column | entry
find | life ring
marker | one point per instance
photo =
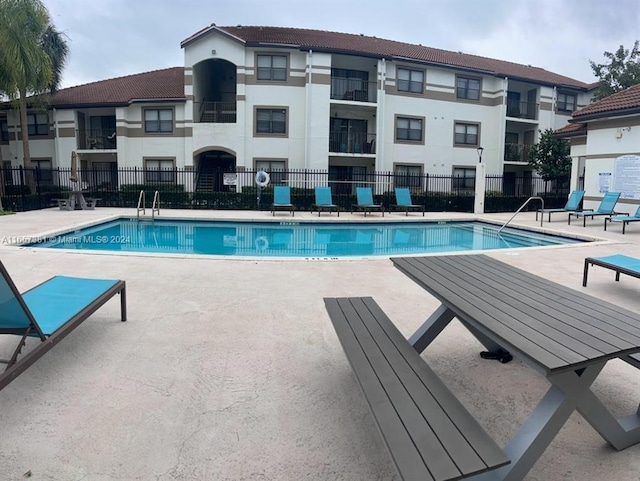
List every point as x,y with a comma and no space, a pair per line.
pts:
262,243
262,178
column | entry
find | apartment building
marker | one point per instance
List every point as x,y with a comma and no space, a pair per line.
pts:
287,98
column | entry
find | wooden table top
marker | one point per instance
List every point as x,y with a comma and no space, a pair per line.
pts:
553,326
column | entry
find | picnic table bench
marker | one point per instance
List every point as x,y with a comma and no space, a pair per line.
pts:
429,433
566,335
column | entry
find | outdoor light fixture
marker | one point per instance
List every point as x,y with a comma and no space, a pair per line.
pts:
480,150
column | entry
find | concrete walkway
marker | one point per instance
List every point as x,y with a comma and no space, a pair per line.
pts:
230,369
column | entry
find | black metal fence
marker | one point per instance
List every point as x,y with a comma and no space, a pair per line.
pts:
29,189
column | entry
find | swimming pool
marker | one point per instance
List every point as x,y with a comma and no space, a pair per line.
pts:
292,239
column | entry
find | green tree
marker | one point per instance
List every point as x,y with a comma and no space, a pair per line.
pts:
32,57
550,156
622,71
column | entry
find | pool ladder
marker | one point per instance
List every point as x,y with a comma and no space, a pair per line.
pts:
155,205
522,207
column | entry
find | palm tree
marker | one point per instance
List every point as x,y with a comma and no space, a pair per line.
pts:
32,57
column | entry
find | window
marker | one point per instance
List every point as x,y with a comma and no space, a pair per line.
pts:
410,80
271,121
466,134
464,178
158,120
159,171
4,130
43,170
275,169
566,102
408,176
468,88
409,129
272,67
38,124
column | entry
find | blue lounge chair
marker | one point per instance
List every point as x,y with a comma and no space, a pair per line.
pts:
49,312
403,201
618,263
606,207
365,201
282,199
323,201
625,219
572,205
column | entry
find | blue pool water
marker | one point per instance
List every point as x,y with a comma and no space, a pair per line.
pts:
295,239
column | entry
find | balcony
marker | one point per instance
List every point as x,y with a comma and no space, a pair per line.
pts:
97,139
516,152
522,110
352,143
353,89
216,112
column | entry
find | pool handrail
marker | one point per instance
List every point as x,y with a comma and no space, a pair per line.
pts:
141,201
155,206
522,207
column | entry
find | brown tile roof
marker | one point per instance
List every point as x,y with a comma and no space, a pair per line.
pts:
620,103
305,39
572,130
156,85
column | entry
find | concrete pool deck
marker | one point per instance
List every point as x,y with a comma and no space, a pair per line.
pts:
229,369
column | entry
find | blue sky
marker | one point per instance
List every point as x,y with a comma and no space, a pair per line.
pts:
122,37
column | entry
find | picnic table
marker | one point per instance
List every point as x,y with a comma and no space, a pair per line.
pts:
566,335
76,198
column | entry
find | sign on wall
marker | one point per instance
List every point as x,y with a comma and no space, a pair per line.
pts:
627,176
230,179
604,183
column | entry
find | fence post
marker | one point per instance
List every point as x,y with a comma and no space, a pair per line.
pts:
38,174
21,171
481,182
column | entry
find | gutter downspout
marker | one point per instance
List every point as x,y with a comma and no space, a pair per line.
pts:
554,101
57,137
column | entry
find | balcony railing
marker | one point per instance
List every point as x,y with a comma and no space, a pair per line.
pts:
353,89
516,152
522,110
352,142
216,112
97,139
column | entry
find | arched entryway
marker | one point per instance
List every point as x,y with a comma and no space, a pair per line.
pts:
214,91
211,167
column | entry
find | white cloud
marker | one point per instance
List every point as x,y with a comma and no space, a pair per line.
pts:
122,37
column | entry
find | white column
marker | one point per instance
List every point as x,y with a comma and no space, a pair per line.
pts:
380,133
481,181
308,102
